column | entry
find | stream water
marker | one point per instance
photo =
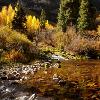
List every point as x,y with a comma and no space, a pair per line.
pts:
90,70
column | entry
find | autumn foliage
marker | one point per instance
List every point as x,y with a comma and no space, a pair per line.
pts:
6,15
98,29
32,23
14,55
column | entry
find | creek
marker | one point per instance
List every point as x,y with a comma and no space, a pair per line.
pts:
86,71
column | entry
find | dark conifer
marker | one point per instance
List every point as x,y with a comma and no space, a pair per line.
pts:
42,19
86,18
19,20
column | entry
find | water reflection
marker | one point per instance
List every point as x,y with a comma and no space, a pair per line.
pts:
79,80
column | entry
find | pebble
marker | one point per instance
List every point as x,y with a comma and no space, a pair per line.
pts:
20,72
55,78
22,98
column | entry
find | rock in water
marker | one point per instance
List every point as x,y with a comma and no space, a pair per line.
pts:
22,98
32,97
4,78
55,78
62,83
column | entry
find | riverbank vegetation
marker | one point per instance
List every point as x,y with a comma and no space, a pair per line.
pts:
75,33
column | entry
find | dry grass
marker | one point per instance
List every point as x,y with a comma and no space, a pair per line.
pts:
15,45
77,42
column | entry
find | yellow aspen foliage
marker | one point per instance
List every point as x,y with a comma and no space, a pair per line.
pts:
48,26
8,20
37,25
98,29
10,13
28,22
32,23
4,11
6,15
0,18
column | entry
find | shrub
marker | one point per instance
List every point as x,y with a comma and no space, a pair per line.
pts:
48,26
15,44
89,52
86,43
63,40
34,31
58,39
15,56
12,39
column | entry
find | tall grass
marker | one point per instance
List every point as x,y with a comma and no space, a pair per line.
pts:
85,43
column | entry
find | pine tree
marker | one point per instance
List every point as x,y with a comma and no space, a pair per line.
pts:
19,20
64,14
85,19
42,19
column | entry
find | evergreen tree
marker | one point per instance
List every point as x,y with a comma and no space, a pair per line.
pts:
65,14
19,20
85,19
42,19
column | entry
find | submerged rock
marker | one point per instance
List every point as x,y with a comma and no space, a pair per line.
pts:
32,97
56,78
58,57
22,98
4,77
62,83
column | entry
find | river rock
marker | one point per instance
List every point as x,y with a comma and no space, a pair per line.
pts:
4,77
22,98
55,78
62,82
11,77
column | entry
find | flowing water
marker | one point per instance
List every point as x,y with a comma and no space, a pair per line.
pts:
87,73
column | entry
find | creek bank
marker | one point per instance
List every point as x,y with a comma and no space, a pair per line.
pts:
20,71
11,78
